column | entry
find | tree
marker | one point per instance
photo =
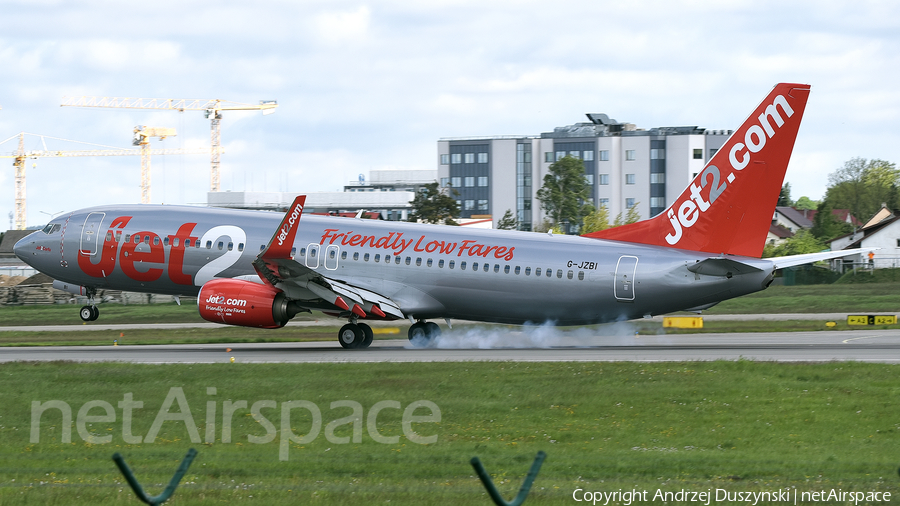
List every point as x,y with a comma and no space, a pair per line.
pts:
862,186
565,192
431,205
802,242
632,216
596,220
784,198
508,221
826,226
806,204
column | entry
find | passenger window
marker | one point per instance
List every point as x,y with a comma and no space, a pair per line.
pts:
175,242
208,244
343,255
230,246
293,252
418,262
261,246
378,258
462,266
387,259
488,266
569,274
147,240
356,255
452,263
474,266
109,235
580,275
366,257
537,272
559,273
549,272
221,245
497,268
333,254
303,252
119,236
397,260
166,241
240,246
408,260
528,271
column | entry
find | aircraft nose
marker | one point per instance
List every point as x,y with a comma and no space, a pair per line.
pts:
25,248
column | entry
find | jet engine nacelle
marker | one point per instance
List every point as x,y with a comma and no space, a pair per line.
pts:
244,303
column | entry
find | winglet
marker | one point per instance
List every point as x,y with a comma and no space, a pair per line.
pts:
283,241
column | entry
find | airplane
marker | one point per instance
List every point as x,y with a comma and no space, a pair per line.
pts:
260,269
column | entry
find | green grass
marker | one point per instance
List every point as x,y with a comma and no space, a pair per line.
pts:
843,298
868,277
740,426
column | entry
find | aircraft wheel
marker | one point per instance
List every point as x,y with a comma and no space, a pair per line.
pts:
421,334
87,314
96,313
367,332
351,336
433,330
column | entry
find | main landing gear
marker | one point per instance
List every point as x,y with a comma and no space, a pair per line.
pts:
422,333
355,335
91,312
359,335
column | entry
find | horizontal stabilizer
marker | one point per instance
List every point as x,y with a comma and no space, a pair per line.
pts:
791,261
722,267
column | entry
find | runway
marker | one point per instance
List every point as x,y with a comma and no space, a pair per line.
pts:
535,346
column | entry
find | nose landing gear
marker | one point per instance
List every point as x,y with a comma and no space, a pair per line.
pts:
91,312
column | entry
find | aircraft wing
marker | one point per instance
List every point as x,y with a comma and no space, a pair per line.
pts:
276,267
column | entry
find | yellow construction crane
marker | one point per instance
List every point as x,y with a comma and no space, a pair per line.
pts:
142,136
20,155
212,107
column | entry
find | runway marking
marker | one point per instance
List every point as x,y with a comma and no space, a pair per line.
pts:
845,341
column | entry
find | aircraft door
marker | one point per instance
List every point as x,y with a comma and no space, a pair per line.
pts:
312,255
625,269
90,234
331,257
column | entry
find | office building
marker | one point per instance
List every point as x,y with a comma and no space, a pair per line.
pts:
624,166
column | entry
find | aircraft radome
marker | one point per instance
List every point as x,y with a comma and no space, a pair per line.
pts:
259,269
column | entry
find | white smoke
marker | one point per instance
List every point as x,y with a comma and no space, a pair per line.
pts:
545,335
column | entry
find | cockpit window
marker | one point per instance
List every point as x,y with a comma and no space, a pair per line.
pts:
51,228
47,228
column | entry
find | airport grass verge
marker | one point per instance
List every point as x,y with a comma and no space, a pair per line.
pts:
733,425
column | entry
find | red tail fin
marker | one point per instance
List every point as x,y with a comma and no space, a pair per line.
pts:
728,207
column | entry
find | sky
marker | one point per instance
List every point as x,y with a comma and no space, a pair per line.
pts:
374,85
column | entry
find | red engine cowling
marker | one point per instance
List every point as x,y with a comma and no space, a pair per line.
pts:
244,303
